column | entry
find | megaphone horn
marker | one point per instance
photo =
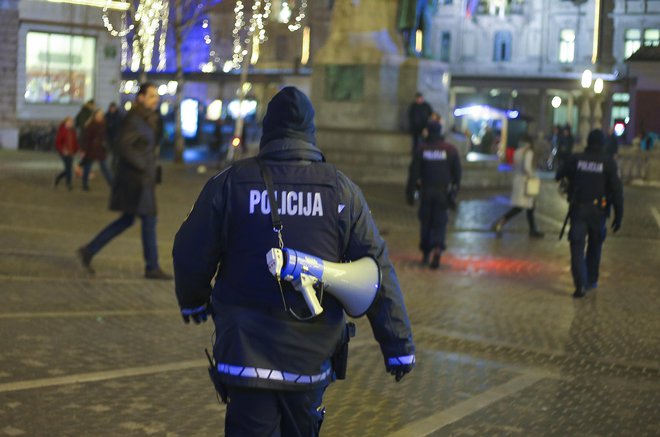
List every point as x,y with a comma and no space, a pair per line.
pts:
354,284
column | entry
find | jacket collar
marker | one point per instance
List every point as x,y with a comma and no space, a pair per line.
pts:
288,149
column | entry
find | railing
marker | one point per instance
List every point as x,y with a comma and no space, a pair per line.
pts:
37,138
637,165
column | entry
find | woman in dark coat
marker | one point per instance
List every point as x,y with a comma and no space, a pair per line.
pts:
93,144
66,143
134,188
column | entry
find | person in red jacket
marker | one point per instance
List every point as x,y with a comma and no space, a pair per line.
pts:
66,143
93,144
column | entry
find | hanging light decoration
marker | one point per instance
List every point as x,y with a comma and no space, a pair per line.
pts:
297,22
150,18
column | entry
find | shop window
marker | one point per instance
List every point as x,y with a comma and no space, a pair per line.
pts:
633,41
502,51
59,68
566,46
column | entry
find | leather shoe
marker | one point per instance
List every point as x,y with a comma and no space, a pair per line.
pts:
425,258
536,234
85,259
157,274
580,292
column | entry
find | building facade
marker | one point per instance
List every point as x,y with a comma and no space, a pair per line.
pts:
530,55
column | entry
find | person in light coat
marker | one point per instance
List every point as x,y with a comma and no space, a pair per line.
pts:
523,165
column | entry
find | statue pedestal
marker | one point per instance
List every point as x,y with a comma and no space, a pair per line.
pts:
361,87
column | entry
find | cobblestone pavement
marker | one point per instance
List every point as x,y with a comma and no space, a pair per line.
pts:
503,349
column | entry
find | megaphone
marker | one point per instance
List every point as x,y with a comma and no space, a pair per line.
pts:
354,284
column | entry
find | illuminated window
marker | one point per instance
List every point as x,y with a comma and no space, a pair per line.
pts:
566,46
621,97
500,7
59,68
632,43
652,37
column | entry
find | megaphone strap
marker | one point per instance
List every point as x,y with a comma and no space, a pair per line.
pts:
274,207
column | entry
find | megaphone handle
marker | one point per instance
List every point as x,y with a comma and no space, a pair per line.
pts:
307,289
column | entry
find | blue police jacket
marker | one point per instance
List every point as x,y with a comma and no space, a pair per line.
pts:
226,236
592,177
435,167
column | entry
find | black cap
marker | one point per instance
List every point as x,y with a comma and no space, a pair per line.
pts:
290,114
596,138
434,128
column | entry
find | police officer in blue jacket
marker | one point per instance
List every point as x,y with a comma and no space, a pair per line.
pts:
593,188
436,172
271,368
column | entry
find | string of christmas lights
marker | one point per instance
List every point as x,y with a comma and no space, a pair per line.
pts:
150,16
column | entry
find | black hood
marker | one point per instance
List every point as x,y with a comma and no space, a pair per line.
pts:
290,114
596,141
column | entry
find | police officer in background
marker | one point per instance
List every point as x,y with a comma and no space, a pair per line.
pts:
593,188
435,172
272,368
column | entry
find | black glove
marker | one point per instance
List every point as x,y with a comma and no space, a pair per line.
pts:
400,366
198,315
616,225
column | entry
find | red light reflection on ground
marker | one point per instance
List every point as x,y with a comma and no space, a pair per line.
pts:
485,265
488,265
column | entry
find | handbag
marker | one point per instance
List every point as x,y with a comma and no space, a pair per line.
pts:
532,186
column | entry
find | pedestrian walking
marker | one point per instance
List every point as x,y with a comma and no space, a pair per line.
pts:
594,188
272,368
66,144
612,143
134,187
84,114
112,120
436,173
524,189
93,145
565,146
419,113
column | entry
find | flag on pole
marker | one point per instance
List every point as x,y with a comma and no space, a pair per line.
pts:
470,6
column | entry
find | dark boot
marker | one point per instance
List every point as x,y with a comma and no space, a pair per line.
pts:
85,259
536,234
580,292
157,274
533,230
435,258
425,258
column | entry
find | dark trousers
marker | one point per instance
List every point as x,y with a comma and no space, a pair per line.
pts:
416,141
587,223
268,413
68,170
149,247
517,210
433,220
87,166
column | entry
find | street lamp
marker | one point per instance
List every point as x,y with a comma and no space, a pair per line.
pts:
586,79
598,86
588,119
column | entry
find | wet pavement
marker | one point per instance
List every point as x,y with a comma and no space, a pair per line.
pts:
503,349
